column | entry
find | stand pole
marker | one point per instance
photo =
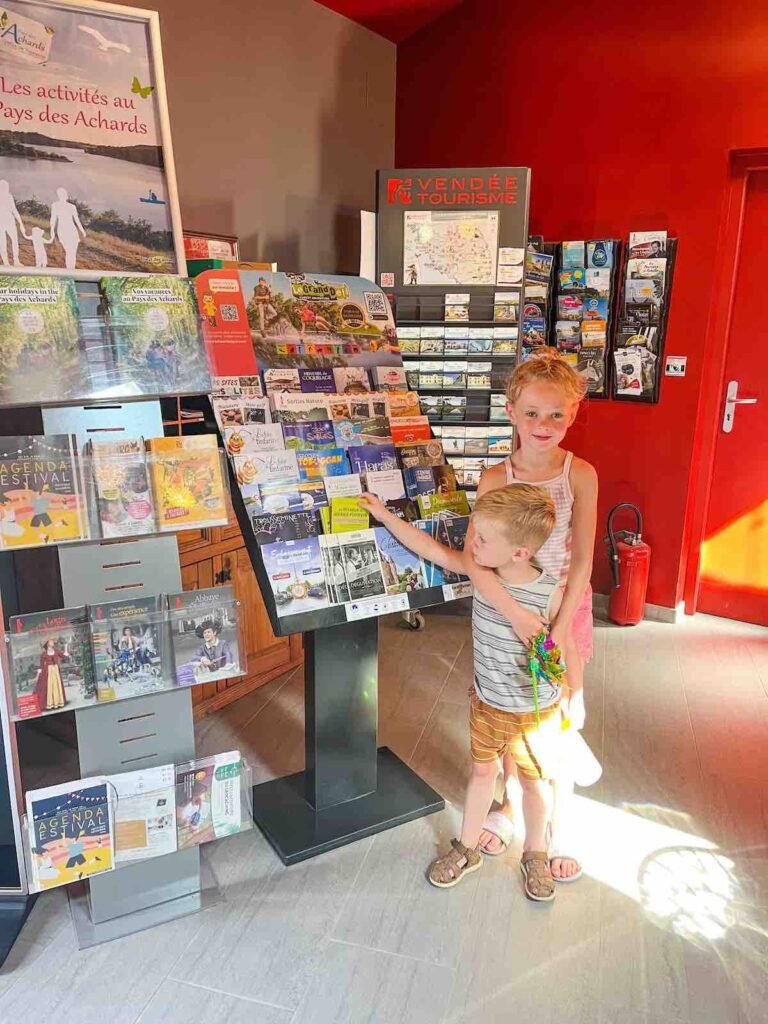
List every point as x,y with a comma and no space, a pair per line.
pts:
349,789
341,703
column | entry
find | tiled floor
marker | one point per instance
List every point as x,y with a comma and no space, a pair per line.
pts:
669,925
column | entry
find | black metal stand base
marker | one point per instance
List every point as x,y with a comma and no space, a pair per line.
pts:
297,831
13,913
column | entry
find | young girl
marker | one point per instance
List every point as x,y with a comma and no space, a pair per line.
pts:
543,396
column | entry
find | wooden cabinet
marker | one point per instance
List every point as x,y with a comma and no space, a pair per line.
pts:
217,557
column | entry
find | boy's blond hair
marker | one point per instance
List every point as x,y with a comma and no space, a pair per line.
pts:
525,512
546,366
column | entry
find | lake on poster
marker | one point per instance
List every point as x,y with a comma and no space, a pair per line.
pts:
100,182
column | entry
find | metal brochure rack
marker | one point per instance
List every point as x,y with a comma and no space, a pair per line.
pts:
145,731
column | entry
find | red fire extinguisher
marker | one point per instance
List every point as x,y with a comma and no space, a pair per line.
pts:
630,559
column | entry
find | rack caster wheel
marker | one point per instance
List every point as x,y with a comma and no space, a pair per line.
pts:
415,621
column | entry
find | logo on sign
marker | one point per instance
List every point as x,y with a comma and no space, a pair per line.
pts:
24,38
399,190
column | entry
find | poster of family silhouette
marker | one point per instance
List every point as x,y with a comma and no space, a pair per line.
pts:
83,161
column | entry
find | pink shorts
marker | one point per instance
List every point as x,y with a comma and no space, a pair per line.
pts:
582,626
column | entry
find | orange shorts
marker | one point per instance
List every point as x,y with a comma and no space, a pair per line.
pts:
536,750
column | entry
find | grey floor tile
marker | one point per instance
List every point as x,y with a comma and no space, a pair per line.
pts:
641,967
274,741
111,982
363,986
48,918
527,961
408,691
442,755
229,728
394,908
21,957
265,948
242,865
444,634
178,1003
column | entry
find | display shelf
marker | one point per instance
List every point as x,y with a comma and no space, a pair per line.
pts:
651,397
403,322
97,361
428,268
469,423
132,808
157,644
484,357
462,391
72,498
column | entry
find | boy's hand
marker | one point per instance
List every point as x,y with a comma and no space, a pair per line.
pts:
527,624
559,634
373,506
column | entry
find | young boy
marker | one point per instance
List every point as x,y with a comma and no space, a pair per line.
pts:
510,524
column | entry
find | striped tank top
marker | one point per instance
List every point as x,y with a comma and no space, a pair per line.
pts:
502,678
554,556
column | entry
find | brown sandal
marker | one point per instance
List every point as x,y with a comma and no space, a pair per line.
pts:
449,869
539,883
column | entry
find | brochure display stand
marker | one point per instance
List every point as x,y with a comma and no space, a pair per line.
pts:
646,290
50,498
148,731
451,257
318,346
583,308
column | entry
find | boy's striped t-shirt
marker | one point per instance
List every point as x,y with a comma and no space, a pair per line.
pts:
502,678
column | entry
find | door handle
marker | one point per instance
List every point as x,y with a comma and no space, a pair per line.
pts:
731,401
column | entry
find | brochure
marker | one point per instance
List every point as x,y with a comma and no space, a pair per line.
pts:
402,570
187,482
39,340
156,327
204,635
42,498
145,813
128,648
314,465
255,437
386,484
600,253
295,572
361,564
71,832
573,254
50,656
647,244
348,514
629,372
208,799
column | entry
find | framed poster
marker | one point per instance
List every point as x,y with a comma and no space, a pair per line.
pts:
87,179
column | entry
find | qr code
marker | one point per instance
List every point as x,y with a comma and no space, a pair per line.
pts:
376,305
229,312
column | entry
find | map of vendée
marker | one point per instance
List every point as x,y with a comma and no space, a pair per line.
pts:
448,248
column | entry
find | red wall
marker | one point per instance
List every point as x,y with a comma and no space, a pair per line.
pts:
626,114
